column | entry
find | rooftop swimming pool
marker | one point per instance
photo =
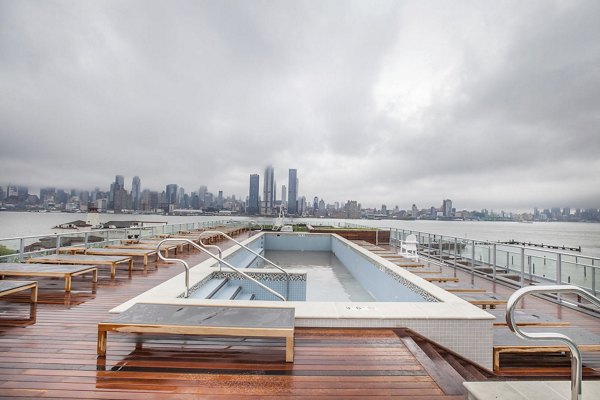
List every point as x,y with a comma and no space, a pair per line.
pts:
333,283
321,268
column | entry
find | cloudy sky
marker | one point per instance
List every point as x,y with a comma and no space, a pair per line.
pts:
494,104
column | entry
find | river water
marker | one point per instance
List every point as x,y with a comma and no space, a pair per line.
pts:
571,234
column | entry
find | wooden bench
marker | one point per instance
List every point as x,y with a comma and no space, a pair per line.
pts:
84,260
440,278
203,320
165,248
483,299
454,287
107,251
8,287
527,318
55,271
506,341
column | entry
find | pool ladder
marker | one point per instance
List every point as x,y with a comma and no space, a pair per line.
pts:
220,261
576,366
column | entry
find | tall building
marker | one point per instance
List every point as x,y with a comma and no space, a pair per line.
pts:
292,191
171,193
268,191
253,204
202,196
447,208
136,191
283,195
117,185
220,200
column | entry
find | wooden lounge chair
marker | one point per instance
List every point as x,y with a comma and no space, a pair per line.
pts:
8,287
56,271
203,320
506,341
527,318
484,300
454,287
440,278
84,260
165,248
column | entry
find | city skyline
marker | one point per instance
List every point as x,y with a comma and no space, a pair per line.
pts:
174,194
490,104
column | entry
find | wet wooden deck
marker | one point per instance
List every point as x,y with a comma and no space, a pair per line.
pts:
53,355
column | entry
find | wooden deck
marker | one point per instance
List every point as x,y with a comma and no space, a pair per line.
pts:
55,357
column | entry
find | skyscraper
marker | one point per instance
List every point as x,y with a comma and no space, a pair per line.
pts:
283,195
253,195
447,208
135,193
171,193
292,192
117,185
268,190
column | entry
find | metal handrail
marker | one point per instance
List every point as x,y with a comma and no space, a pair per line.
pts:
576,367
220,260
186,266
253,252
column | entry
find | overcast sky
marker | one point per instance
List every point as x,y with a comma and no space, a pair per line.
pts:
493,104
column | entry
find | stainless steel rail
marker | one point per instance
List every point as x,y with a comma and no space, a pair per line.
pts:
220,260
576,367
185,265
253,252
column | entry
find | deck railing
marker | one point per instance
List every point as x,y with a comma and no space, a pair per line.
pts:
576,366
17,249
514,264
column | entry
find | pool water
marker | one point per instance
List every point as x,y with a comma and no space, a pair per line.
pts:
327,279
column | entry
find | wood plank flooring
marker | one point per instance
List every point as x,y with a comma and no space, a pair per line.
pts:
54,356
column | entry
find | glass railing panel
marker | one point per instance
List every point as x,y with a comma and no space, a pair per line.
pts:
9,250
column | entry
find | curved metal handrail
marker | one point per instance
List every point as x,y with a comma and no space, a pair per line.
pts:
253,252
187,267
576,367
220,260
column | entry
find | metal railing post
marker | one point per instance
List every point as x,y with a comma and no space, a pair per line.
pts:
86,240
21,249
494,264
473,262
522,266
593,279
559,274
429,244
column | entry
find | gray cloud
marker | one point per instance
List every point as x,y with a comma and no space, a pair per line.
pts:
492,105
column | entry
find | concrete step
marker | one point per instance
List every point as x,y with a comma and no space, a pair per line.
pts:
208,290
244,296
227,292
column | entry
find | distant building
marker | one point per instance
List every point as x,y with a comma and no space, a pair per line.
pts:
447,208
171,193
283,195
268,190
253,204
135,192
293,191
